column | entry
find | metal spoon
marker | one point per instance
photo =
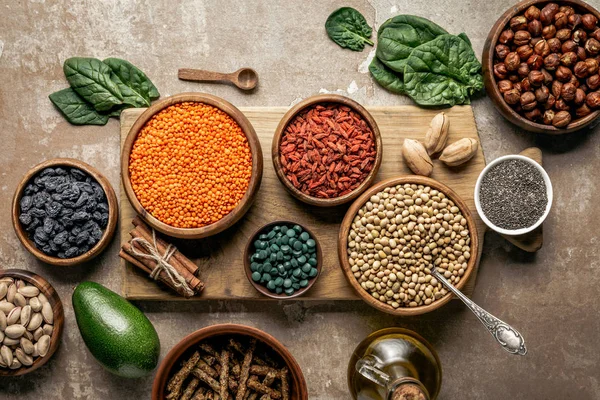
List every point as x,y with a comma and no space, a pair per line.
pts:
243,78
509,338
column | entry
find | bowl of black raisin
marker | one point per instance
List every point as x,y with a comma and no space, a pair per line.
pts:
64,212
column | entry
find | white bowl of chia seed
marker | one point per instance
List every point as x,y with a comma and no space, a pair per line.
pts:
513,195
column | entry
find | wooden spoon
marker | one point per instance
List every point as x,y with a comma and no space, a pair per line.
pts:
244,78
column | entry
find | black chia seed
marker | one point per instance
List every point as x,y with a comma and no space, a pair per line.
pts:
513,195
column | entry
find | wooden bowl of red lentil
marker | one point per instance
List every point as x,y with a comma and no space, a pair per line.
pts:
327,150
191,165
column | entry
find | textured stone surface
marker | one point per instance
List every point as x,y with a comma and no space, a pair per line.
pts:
550,296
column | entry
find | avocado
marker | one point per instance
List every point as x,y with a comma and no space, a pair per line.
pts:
117,333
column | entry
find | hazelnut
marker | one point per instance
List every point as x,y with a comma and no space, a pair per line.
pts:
541,94
535,27
533,115
500,71
574,20
589,21
504,85
528,102
563,34
561,119
525,85
582,111
596,34
561,105
506,36
580,70
548,31
548,12
567,10
579,36
501,51
554,45
548,117
542,48
534,13
592,65
518,23
592,46
534,41
579,97
550,102
512,96
547,77
563,74
568,92
560,20
512,61
518,86
521,38
593,82
513,78
536,78
524,52
551,62
574,81
568,59
568,46
557,88
592,100
581,53
535,62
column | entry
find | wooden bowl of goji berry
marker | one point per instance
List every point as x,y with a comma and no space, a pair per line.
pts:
327,150
191,165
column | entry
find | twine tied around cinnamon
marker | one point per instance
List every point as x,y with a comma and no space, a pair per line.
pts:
162,262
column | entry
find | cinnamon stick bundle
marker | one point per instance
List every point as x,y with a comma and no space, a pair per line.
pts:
180,264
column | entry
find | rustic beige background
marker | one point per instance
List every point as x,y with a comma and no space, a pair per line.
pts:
550,296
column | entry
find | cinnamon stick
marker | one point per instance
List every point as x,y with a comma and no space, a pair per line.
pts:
145,230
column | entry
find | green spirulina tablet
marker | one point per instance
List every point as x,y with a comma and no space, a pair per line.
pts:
274,271
313,272
312,261
297,253
287,265
304,248
289,291
297,228
271,234
266,277
273,257
281,269
256,276
279,281
287,283
297,246
294,262
301,259
311,243
278,290
283,228
271,285
303,283
297,272
304,236
296,286
306,268
285,249
274,247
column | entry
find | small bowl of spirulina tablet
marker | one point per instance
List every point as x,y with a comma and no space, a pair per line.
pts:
283,259
513,195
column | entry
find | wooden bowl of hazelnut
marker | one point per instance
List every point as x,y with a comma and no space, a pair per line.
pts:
541,65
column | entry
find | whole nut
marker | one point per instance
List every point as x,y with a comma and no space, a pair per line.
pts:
512,96
416,157
436,136
548,12
513,78
591,65
16,364
518,23
37,334
582,111
48,329
542,48
501,51
7,354
504,85
547,77
589,21
551,62
512,61
35,322
533,115
25,315
568,46
533,13
506,36
14,331
592,46
534,41
26,345
6,306
554,44
3,290
561,105
550,102
24,359
535,62
563,74
525,85
593,82
580,70
29,291
561,119
579,97
568,10
592,100
536,78
13,316
524,52
3,322
48,314
35,304
521,38
561,20
523,70
548,31
535,27
10,293
518,87
528,101
459,152
548,117
579,36
574,20
43,345
500,71
596,34
563,34
20,300
568,92
542,94
568,59
574,81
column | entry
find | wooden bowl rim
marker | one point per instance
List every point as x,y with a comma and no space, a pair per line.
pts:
263,289
347,223
57,307
296,109
164,370
113,212
257,165
490,80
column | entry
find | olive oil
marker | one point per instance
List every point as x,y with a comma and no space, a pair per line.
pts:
394,364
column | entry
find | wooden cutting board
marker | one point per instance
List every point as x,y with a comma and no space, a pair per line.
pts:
220,256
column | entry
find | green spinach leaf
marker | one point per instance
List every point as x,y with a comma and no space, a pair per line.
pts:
348,28
90,78
398,36
387,78
464,37
134,85
444,71
75,109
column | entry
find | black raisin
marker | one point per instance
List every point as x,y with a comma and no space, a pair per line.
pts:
35,222
78,174
81,216
60,171
97,215
48,225
102,207
66,221
53,246
96,233
52,182
75,231
37,212
47,172
104,221
72,252
82,200
82,238
40,199
98,192
61,237
40,235
66,211
25,219
30,189
65,246
53,208
87,187
62,187
61,255
46,249
26,202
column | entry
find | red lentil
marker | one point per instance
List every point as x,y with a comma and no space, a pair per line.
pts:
190,165
327,150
